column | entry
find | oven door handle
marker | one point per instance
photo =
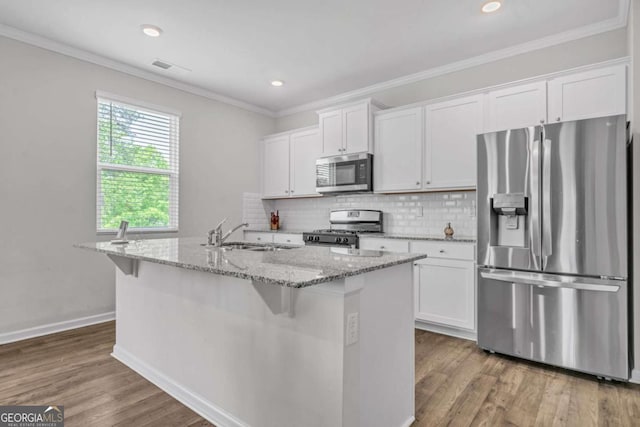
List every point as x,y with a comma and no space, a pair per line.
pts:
550,281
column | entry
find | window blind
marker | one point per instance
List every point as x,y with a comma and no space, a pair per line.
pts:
137,168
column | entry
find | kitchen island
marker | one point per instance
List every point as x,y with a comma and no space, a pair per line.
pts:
269,336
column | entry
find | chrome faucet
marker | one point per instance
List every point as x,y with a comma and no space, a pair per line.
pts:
215,237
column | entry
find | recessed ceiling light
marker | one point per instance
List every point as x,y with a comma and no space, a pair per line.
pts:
151,30
277,83
491,6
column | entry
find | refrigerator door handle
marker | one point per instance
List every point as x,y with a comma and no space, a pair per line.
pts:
547,248
549,281
535,202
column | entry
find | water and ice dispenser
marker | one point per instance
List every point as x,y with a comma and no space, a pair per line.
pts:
509,211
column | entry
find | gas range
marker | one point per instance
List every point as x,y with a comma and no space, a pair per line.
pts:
346,225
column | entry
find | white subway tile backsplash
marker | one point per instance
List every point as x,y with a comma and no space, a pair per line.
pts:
419,214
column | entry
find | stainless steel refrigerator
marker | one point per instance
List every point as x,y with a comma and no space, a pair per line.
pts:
552,259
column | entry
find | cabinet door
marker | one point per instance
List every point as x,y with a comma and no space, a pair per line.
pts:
276,167
331,132
258,237
356,128
595,93
306,148
517,107
445,292
288,239
450,143
382,244
398,150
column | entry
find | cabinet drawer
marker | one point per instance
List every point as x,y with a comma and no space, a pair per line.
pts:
288,239
390,245
258,237
462,251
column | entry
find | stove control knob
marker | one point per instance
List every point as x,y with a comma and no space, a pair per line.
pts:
316,238
309,238
338,240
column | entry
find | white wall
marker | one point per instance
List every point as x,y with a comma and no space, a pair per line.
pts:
589,50
48,185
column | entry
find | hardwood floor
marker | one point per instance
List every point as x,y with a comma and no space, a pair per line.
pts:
457,384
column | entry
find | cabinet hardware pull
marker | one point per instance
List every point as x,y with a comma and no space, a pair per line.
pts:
417,182
441,251
381,247
558,119
286,191
258,238
428,182
542,122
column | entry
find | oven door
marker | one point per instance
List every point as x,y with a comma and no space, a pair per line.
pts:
352,173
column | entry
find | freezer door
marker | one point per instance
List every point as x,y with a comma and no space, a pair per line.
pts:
584,197
509,182
575,323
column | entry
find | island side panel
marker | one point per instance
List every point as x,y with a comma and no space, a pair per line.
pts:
213,343
385,349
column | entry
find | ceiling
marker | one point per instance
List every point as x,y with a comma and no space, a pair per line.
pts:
319,48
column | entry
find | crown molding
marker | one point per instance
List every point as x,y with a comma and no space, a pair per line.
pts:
48,44
619,21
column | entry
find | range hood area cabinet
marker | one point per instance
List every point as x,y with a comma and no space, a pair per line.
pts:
347,129
289,163
433,146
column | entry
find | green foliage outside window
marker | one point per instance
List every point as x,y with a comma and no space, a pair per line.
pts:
142,198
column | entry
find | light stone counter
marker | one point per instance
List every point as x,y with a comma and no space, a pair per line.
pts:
296,267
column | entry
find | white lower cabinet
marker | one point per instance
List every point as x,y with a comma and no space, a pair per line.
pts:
445,287
258,237
382,244
288,239
269,237
445,292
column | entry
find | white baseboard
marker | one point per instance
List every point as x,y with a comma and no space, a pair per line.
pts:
197,403
409,422
635,376
467,335
52,328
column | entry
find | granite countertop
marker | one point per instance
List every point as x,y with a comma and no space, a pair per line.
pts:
297,267
383,236
421,237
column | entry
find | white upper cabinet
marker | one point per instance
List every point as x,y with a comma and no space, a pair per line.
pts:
398,150
289,164
450,142
594,93
305,150
275,167
517,107
331,132
356,125
347,129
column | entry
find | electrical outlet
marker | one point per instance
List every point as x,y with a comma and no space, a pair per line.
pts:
353,328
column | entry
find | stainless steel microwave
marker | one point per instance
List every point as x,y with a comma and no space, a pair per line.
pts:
345,174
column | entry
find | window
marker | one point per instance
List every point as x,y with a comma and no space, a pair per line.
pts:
137,171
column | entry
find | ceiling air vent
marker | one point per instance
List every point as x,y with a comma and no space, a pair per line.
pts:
161,64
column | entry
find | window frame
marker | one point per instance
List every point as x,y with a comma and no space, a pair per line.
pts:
174,161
